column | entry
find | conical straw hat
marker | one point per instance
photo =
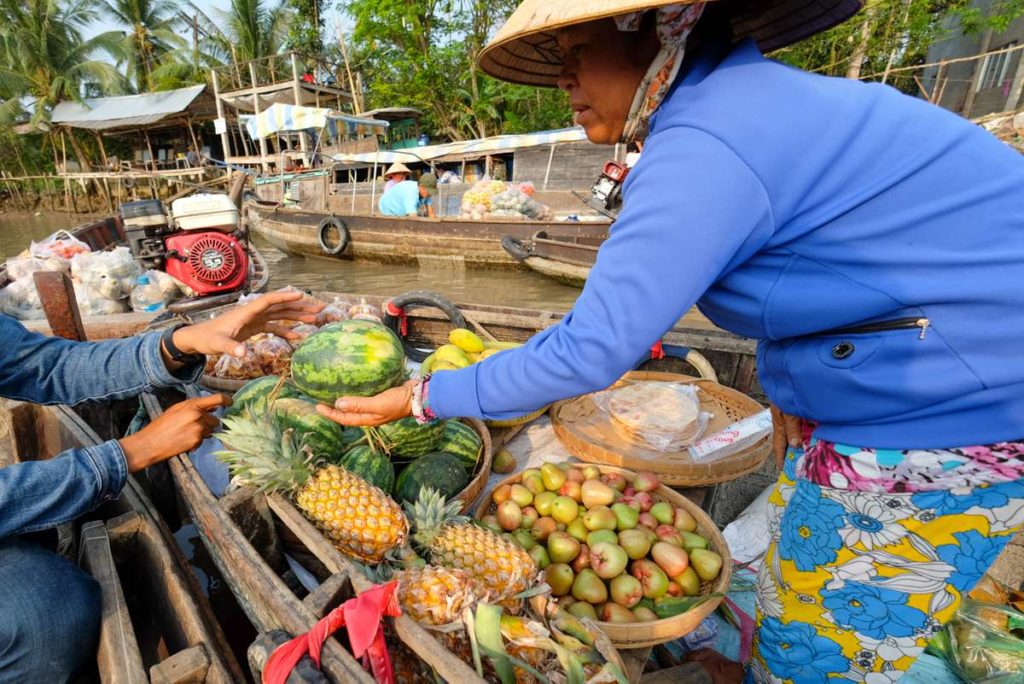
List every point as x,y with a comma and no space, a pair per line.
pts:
525,51
397,167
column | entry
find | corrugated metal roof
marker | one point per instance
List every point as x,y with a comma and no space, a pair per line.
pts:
466,148
102,113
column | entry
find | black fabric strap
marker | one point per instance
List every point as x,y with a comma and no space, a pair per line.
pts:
176,354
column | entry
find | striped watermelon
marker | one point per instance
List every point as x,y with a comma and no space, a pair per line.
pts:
463,441
442,471
405,437
253,395
372,466
348,358
325,437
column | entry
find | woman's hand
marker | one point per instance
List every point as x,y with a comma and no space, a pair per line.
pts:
181,428
385,407
227,333
788,431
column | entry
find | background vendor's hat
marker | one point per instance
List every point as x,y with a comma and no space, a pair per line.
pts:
524,49
428,181
397,167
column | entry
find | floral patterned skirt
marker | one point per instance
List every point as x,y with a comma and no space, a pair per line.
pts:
871,553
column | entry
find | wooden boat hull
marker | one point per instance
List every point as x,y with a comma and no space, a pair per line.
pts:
402,240
567,259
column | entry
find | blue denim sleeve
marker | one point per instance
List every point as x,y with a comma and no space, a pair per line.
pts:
38,495
693,208
52,370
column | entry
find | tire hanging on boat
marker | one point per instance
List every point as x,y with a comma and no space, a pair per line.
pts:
321,235
394,318
515,248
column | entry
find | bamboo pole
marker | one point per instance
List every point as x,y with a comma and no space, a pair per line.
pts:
256,107
356,104
149,146
225,141
68,195
297,92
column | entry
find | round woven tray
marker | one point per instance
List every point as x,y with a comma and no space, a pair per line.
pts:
483,465
644,634
521,420
587,433
225,385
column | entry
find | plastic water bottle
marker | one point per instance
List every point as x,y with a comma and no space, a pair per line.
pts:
146,296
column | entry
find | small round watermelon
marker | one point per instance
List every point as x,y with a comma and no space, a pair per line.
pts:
325,437
253,395
348,358
408,438
440,470
371,465
463,441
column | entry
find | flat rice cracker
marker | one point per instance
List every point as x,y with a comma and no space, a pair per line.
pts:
655,409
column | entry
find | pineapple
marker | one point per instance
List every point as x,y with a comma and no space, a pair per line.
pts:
358,518
500,566
436,596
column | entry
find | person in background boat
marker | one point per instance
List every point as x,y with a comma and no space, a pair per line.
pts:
396,173
871,241
49,609
449,176
410,198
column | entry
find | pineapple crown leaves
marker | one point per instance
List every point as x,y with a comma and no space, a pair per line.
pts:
431,512
265,454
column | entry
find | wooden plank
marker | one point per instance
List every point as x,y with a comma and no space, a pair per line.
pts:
57,296
635,659
184,667
688,673
113,326
331,593
118,656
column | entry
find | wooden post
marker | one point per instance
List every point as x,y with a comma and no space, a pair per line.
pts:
1016,86
357,106
297,91
68,193
256,108
547,171
976,74
224,141
149,146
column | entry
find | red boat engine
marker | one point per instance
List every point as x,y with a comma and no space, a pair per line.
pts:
208,262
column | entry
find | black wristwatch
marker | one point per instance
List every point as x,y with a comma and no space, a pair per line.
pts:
178,356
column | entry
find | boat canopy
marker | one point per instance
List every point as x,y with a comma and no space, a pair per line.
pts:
280,118
130,111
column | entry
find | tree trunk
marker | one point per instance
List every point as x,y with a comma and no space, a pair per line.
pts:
83,162
861,51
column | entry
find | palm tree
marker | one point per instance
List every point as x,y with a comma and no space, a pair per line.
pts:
254,29
152,33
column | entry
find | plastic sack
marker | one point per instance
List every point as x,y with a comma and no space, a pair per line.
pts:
272,353
983,643
664,416
234,368
22,267
92,302
516,203
477,201
112,274
20,300
61,244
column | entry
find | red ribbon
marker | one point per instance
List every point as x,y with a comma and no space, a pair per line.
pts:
657,351
403,318
363,617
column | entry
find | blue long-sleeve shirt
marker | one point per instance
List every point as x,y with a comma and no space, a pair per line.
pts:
788,205
38,495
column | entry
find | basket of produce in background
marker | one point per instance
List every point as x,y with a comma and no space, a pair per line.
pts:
616,546
592,435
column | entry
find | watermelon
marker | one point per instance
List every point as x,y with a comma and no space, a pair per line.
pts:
253,395
440,470
325,437
348,358
408,438
372,466
463,441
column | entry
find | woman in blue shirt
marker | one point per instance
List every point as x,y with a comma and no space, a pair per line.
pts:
871,242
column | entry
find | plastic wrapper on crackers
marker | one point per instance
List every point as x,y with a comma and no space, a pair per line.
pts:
234,368
272,353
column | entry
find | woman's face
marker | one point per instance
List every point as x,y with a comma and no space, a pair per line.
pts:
602,70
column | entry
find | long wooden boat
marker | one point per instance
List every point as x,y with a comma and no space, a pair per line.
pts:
566,259
407,240
108,232
156,623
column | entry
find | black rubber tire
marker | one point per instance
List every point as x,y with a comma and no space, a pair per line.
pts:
321,231
422,298
515,248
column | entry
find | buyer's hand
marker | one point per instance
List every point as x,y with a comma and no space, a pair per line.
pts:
227,333
181,428
788,432
383,408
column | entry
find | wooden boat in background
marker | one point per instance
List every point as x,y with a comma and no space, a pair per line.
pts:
566,259
394,239
157,625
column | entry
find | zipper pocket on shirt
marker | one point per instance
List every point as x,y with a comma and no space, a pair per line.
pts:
883,326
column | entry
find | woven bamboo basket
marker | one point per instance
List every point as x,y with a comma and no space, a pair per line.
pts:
645,634
521,420
483,465
587,433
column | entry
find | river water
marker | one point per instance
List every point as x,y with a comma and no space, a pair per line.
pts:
497,287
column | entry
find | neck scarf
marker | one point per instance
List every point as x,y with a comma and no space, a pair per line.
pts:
674,24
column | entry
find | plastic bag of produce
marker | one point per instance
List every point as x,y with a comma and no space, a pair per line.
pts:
20,300
983,643
303,330
272,353
336,310
365,312
234,368
664,416
478,200
112,274
61,244
22,267
92,302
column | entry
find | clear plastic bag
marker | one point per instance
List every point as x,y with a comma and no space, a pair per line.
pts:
23,267
336,310
365,312
303,330
234,368
272,353
20,300
982,643
112,274
664,416
61,244
92,302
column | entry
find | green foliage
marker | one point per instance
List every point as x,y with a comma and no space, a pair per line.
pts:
306,29
151,31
